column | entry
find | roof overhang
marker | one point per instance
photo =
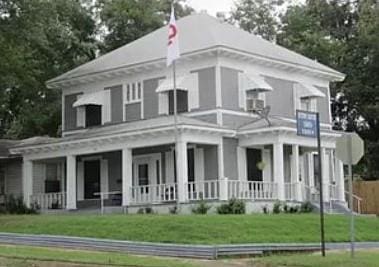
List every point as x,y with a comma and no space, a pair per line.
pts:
160,63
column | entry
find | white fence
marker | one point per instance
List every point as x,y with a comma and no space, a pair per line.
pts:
49,200
252,190
206,190
153,193
290,191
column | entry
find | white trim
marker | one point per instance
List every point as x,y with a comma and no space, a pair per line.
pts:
104,179
199,164
80,180
219,49
218,84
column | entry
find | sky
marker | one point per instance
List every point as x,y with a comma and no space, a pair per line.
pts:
211,6
214,6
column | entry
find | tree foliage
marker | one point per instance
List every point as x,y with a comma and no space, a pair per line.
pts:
128,20
257,16
38,41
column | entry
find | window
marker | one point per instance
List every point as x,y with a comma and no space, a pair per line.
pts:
133,92
182,101
143,174
308,103
93,115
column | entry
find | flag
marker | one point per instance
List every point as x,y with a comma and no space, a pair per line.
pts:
173,40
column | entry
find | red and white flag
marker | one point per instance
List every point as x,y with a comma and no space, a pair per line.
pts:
173,40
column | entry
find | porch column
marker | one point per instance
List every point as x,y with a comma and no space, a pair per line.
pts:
182,170
71,182
279,169
295,173
325,174
242,167
27,181
127,173
340,179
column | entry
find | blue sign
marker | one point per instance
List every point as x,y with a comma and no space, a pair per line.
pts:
306,123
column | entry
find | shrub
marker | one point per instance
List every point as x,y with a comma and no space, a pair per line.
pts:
306,207
277,207
294,209
234,206
140,211
173,210
201,208
16,205
265,209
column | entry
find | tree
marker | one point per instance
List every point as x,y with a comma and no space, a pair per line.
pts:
345,36
127,20
257,16
39,40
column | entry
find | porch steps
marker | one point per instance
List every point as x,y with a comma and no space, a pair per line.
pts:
332,208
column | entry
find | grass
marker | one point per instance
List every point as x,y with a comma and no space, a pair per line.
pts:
332,259
14,254
195,229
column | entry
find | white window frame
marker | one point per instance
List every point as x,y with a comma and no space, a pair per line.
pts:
128,92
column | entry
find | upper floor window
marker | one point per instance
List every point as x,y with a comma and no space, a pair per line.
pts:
252,91
305,97
182,101
133,92
93,115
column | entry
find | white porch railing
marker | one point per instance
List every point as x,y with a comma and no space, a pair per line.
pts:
49,200
311,193
252,190
206,190
290,191
333,195
149,194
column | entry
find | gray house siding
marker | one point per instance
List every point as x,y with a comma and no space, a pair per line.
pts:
116,103
114,170
229,88
230,158
150,98
323,105
133,112
70,112
13,177
281,98
210,163
207,88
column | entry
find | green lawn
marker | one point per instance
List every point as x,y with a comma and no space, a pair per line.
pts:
195,229
332,259
13,255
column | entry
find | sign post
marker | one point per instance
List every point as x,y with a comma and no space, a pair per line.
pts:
350,149
308,124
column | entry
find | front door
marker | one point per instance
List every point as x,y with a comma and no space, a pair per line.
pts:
91,179
253,157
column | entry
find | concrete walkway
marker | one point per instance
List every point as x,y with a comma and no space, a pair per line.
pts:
174,250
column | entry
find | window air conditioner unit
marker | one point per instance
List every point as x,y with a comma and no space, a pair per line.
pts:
254,105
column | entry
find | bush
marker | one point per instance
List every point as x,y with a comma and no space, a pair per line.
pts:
306,207
15,205
265,209
173,210
201,208
277,208
234,206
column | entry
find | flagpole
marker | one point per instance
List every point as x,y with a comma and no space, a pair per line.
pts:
176,132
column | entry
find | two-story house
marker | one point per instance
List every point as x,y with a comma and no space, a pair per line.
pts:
118,138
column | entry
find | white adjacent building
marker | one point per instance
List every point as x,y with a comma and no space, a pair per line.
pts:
118,137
